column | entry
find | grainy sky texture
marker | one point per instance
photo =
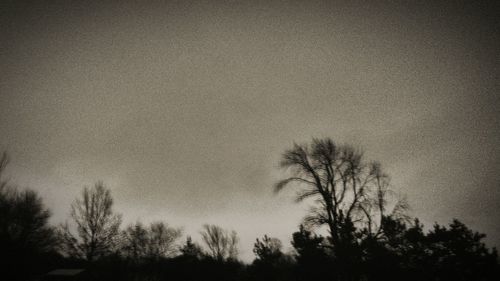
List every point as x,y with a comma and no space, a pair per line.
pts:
183,108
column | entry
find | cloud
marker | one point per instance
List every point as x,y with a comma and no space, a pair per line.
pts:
184,108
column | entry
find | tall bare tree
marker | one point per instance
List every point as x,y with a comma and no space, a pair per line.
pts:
97,227
221,244
347,188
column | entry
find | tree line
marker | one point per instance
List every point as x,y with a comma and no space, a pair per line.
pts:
369,234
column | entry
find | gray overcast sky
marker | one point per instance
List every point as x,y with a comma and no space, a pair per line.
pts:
183,108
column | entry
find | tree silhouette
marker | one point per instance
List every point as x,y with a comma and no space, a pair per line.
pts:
454,253
458,253
162,240
314,259
268,249
96,224
221,244
191,249
26,238
270,263
154,242
350,192
370,237
135,241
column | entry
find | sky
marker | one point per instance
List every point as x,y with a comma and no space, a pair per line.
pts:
183,108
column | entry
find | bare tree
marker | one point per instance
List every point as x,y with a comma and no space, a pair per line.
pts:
96,225
162,240
221,244
154,242
347,188
135,241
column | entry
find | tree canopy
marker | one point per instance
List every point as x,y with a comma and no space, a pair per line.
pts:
97,226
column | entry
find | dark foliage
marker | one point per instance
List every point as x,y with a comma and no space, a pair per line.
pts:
27,242
270,263
392,248
313,257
